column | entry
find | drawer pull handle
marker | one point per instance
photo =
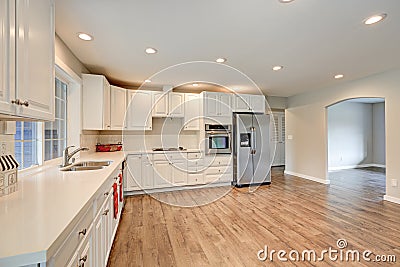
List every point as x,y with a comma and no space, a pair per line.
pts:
83,232
82,261
106,212
106,194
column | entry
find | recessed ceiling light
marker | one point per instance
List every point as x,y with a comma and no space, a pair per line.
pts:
220,60
339,76
151,50
147,81
85,36
374,19
195,84
286,1
276,68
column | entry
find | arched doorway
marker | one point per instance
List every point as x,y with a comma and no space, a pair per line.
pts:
356,142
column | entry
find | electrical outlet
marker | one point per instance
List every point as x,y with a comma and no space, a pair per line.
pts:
394,182
3,150
290,137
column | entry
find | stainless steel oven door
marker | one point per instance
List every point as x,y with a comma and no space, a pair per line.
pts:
218,143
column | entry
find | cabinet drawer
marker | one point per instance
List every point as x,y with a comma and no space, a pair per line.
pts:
219,170
160,157
195,178
194,155
215,178
221,160
77,235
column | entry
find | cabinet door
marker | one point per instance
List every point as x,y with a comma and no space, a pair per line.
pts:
242,103
160,102
139,115
162,174
7,55
134,173
179,173
225,105
211,103
257,103
99,241
85,255
106,105
192,112
118,107
279,139
35,58
147,174
176,105
74,260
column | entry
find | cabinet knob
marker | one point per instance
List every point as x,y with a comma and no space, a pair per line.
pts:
16,102
82,261
83,232
106,212
106,194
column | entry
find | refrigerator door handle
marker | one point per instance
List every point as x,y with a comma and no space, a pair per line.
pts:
253,140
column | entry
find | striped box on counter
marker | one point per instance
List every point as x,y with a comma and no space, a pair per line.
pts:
8,174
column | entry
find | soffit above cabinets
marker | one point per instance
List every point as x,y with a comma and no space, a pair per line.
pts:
313,40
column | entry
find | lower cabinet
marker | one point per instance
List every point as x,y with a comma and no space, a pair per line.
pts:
90,241
158,171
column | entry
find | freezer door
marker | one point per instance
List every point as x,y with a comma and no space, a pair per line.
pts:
243,169
261,149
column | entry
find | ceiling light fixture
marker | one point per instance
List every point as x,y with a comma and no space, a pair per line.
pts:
375,19
220,60
339,76
151,50
286,1
147,81
85,36
195,84
276,68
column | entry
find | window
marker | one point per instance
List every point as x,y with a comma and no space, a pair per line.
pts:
29,137
26,144
55,133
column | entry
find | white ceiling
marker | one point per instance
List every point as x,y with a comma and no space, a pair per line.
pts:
312,39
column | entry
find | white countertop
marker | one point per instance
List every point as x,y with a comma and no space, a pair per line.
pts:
168,151
47,200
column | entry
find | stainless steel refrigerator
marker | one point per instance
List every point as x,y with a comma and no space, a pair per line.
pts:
251,149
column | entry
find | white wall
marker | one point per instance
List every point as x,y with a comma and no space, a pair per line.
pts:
350,138
378,122
63,53
306,121
276,102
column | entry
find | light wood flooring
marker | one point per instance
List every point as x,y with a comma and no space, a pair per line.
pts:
291,213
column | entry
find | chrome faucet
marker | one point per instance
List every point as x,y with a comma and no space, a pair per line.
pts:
67,156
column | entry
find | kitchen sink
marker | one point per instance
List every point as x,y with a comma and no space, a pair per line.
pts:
87,166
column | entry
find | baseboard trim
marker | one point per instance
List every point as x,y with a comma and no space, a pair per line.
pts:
311,178
356,166
391,199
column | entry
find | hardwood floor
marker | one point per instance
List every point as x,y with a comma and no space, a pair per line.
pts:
292,213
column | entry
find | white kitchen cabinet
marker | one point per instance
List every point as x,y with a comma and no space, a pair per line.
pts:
99,249
192,112
139,111
219,169
162,174
168,104
27,59
117,107
160,104
95,102
249,103
179,173
7,56
176,106
217,104
147,173
134,173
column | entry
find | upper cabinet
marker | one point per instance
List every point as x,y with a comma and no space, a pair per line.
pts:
249,103
117,107
217,104
27,59
96,102
192,112
168,104
139,115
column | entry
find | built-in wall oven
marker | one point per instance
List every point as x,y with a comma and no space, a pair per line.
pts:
218,139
